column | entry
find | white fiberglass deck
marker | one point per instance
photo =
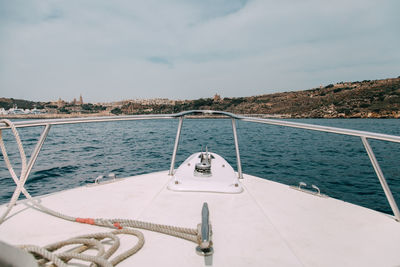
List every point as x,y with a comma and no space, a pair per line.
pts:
268,224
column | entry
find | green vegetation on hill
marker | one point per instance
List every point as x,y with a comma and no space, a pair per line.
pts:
8,103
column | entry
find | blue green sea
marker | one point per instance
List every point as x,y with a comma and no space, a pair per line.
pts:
74,155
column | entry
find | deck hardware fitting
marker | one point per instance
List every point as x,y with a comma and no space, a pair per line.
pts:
205,233
316,188
301,185
98,179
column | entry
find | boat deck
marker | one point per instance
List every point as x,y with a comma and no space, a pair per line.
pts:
268,224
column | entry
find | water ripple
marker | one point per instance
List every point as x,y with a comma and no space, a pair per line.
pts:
74,155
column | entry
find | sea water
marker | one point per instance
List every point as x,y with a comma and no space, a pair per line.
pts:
74,155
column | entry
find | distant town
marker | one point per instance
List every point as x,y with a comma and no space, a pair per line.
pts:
358,99
10,106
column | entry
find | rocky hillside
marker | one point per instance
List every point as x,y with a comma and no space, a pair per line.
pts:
366,99
379,98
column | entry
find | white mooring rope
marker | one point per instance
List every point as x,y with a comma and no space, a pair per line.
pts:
48,253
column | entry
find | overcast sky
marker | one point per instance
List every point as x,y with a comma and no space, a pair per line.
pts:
186,49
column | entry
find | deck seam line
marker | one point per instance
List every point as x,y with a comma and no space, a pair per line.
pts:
152,200
273,225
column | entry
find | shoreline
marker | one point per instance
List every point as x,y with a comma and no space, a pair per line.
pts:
208,116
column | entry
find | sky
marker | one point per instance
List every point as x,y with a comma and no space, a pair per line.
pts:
187,49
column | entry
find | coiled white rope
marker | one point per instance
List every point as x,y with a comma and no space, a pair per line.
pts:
102,257
49,254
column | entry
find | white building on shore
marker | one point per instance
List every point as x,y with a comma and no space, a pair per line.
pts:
18,111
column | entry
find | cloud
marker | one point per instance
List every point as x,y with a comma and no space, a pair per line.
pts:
160,60
190,49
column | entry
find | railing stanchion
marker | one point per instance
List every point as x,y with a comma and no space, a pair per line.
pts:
37,149
382,179
239,164
20,182
178,134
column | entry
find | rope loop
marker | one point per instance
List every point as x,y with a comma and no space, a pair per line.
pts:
49,253
19,181
20,148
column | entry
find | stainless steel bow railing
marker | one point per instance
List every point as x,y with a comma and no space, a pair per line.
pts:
364,135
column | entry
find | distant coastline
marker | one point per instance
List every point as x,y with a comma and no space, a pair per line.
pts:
77,115
53,116
365,99
202,116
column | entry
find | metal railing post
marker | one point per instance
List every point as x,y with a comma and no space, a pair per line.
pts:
37,149
382,179
178,134
22,180
239,164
